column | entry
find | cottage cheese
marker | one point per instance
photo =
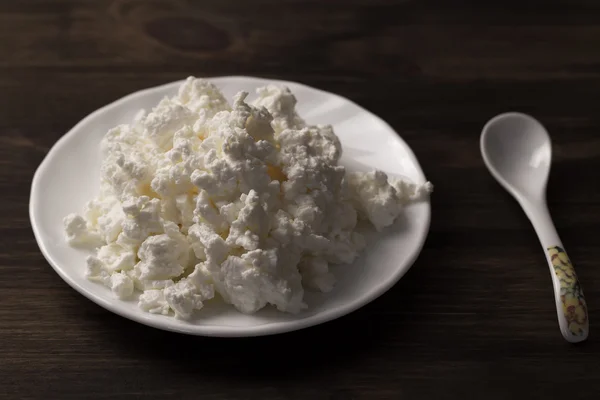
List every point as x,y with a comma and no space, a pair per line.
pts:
246,201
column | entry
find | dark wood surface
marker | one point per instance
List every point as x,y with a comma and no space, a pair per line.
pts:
474,316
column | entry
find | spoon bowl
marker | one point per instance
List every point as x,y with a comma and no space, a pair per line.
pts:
517,150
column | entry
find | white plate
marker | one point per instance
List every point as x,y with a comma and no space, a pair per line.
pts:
69,175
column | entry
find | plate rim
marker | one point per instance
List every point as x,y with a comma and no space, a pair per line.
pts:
270,328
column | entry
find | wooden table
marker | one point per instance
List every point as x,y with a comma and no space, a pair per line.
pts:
474,316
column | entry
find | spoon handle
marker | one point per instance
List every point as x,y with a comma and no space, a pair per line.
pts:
570,303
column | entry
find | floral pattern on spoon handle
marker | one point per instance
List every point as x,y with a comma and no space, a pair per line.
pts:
571,294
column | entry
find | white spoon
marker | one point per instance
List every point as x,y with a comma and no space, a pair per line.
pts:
517,150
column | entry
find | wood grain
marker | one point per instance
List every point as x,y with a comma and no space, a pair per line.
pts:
474,316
